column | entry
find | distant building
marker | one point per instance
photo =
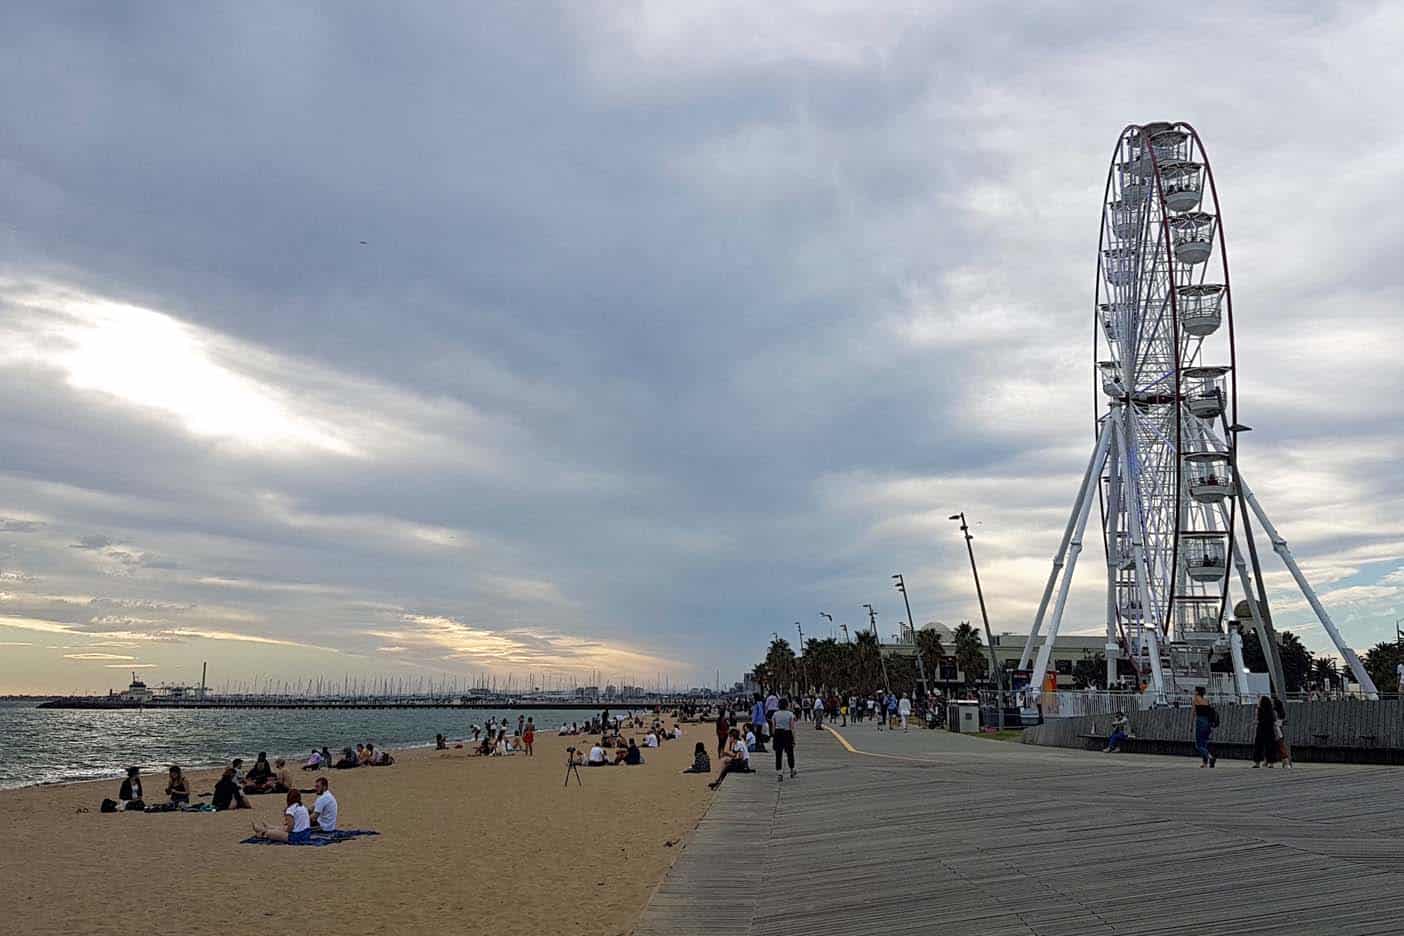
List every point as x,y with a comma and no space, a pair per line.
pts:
136,692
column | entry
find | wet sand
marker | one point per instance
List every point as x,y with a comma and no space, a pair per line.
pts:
467,845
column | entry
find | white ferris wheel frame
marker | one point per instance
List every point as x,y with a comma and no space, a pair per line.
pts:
1136,472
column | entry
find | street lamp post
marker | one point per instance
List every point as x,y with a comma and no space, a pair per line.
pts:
804,670
825,614
911,626
872,621
980,594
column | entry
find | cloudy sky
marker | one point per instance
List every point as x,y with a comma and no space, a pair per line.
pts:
561,340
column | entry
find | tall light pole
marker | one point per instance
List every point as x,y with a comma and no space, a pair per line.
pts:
911,626
825,614
872,621
844,628
804,670
979,593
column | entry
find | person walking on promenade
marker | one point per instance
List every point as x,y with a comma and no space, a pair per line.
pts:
1205,721
891,710
1284,750
904,710
875,705
783,738
723,730
818,711
1265,738
760,719
772,702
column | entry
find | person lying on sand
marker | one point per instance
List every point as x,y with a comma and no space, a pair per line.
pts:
297,824
348,760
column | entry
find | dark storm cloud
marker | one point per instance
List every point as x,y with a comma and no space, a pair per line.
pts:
666,330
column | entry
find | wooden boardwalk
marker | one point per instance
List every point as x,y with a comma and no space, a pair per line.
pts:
934,833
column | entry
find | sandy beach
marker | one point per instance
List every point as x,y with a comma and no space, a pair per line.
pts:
467,845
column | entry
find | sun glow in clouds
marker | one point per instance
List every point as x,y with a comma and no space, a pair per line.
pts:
153,361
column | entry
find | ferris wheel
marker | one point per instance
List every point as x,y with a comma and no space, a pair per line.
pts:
1164,470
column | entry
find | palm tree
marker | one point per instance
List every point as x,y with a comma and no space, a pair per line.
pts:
970,653
1325,672
932,651
867,662
780,663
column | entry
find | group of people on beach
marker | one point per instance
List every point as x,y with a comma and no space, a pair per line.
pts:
229,793
363,755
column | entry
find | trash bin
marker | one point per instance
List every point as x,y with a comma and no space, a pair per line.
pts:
963,715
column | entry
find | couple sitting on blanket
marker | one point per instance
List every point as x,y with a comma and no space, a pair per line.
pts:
297,824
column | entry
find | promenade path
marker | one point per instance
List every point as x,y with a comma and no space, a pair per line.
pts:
931,832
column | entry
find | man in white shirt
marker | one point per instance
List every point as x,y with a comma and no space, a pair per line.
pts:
651,740
324,807
597,757
750,740
904,709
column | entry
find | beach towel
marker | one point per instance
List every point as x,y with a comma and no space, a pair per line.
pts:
318,838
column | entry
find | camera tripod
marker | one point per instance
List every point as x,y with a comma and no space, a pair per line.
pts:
572,767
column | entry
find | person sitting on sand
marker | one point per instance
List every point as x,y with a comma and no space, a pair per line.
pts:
282,783
130,791
314,762
326,757
651,740
368,755
226,793
361,756
324,806
597,756
260,778
440,744
176,788
735,758
701,763
238,765
381,758
348,760
297,825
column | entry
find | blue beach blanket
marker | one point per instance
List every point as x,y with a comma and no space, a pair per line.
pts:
318,838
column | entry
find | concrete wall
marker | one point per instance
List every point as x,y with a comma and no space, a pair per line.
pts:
1365,727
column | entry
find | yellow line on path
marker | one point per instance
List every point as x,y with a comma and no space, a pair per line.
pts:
853,750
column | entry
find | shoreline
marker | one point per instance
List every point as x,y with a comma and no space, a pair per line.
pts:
81,773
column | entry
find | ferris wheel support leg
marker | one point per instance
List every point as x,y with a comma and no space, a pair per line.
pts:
1259,625
1093,471
1240,669
1279,546
1112,648
1150,627
1082,509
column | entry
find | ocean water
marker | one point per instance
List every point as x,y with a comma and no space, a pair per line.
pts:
55,745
